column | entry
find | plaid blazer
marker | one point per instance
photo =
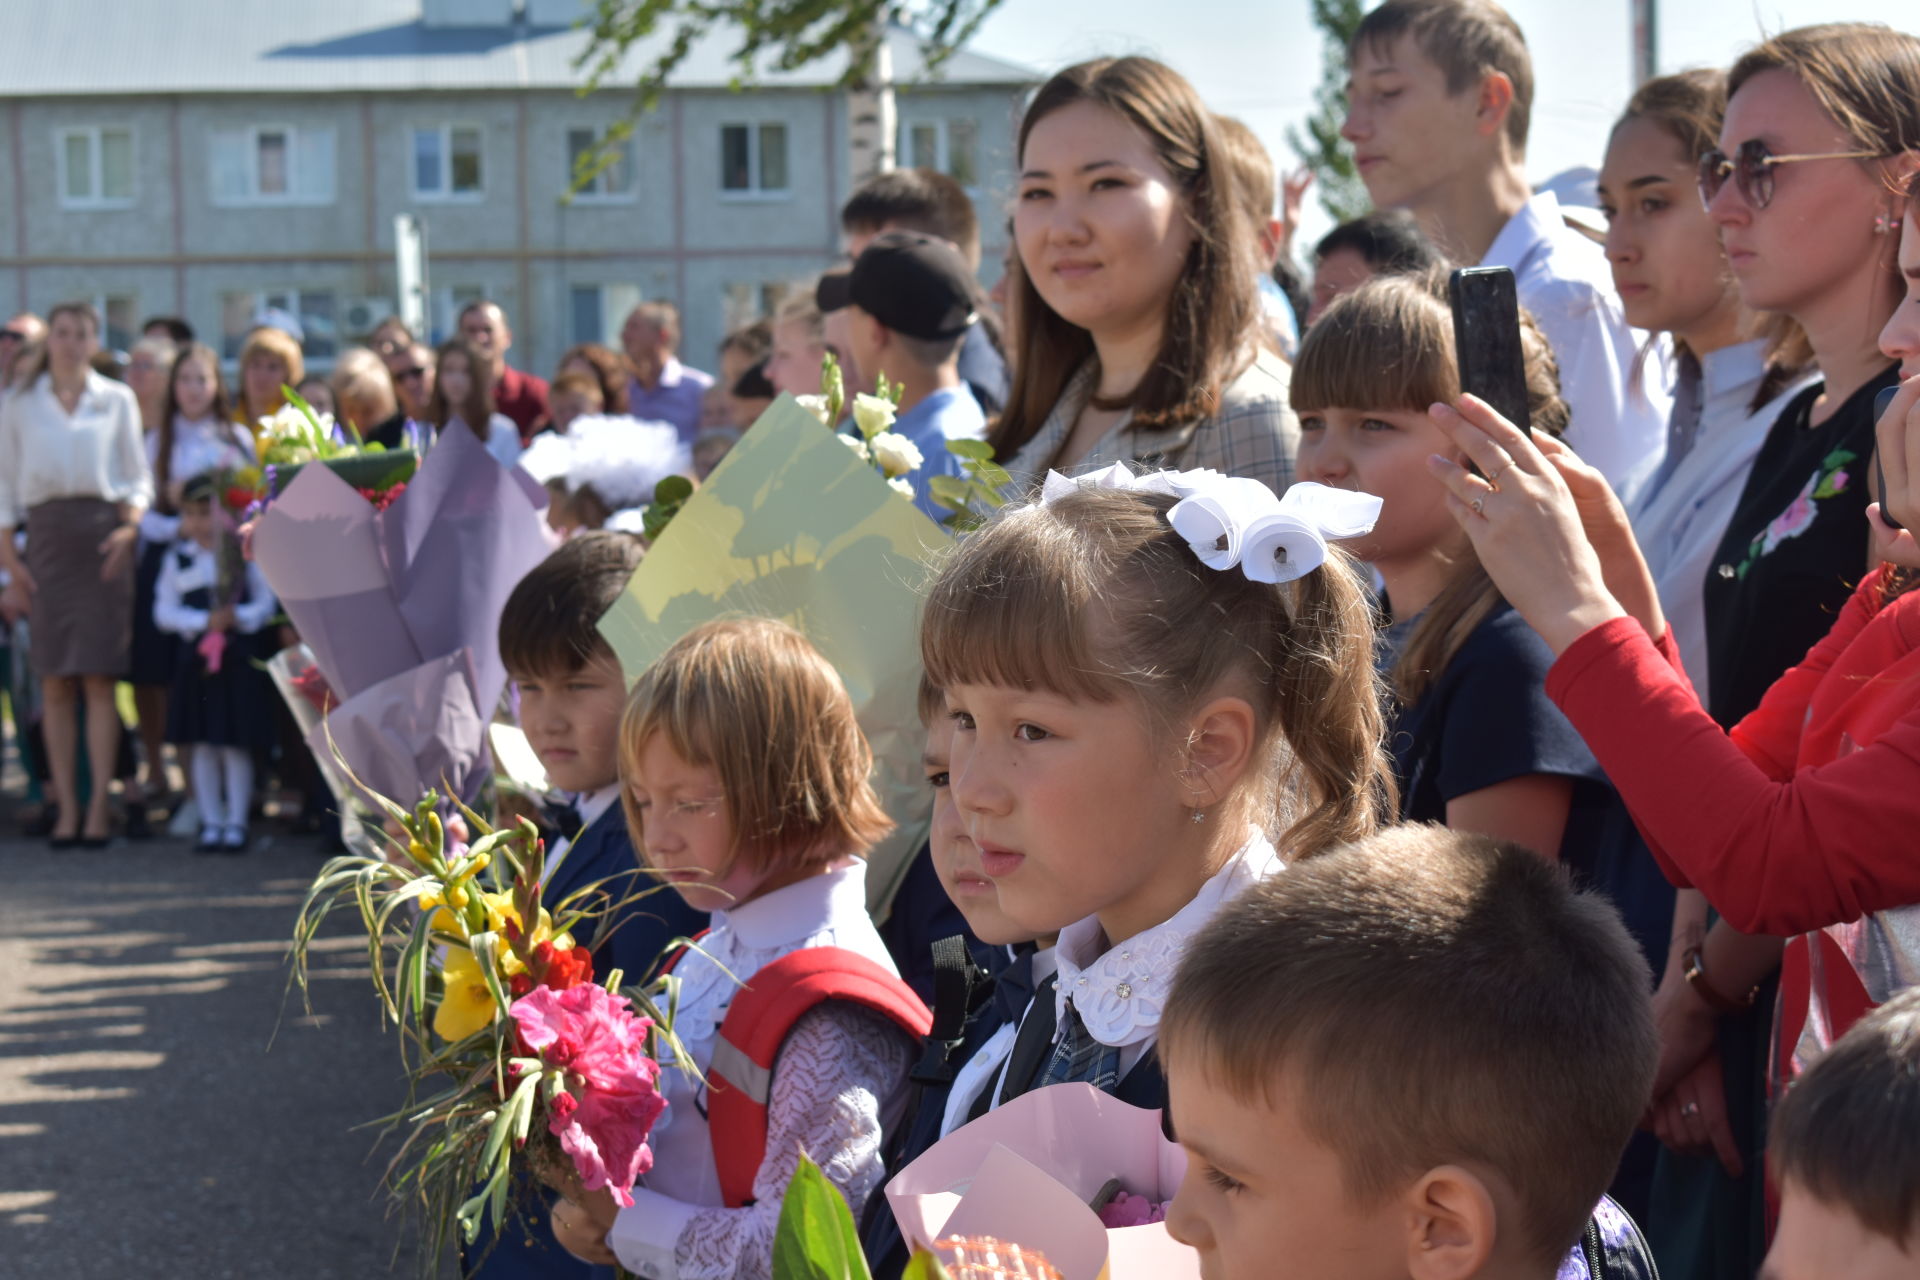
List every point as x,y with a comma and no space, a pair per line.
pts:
1255,432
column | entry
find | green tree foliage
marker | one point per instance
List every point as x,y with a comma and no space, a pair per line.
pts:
776,35
1319,144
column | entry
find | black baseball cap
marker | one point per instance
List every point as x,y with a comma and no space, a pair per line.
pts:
914,284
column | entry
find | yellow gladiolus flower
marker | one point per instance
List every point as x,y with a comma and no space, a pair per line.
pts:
467,1005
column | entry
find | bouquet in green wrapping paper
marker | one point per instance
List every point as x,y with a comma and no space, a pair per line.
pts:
516,1057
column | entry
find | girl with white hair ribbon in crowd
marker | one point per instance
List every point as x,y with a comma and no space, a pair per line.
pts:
1162,688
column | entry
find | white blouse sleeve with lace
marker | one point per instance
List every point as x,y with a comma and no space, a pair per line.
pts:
837,1073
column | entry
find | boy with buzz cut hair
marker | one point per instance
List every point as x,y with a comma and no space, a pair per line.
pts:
1419,1055
1439,97
572,693
1845,1149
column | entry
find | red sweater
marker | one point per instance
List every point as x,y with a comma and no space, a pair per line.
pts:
1806,817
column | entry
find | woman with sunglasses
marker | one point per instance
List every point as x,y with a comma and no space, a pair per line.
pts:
1821,124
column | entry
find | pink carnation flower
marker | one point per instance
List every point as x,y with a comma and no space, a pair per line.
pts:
612,1097
1129,1210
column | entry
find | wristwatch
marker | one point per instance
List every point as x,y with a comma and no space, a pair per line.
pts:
1696,975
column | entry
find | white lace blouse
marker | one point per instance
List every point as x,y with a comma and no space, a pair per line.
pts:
1121,991
839,1078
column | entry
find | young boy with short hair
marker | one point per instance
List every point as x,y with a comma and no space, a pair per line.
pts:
1420,1055
1440,93
1845,1149
572,693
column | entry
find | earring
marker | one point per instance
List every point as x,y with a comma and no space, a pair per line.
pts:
1199,816
1882,223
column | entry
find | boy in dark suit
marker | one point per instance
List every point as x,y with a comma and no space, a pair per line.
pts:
572,692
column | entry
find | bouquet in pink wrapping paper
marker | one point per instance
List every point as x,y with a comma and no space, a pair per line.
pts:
1039,1171
399,607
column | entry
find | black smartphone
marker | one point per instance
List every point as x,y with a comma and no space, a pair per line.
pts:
1486,340
1881,403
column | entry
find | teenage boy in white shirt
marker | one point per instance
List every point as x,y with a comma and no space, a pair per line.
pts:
1440,93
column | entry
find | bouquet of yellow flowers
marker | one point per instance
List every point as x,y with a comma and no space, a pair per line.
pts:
516,1057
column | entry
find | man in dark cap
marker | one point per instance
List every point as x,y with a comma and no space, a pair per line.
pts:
909,303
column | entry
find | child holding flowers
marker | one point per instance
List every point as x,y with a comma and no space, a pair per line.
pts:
789,1007
221,700
1146,675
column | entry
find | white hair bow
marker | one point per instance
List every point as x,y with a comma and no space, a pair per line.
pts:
1235,520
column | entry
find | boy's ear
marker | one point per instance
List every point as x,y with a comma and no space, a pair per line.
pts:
1496,100
1220,746
1451,1225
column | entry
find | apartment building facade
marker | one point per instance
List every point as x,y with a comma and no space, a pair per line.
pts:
217,158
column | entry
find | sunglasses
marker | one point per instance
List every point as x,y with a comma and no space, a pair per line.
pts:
408,375
1751,169
13,335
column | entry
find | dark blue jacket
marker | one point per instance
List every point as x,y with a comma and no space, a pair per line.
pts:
641,931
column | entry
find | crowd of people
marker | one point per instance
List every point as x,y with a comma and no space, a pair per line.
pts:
1261,834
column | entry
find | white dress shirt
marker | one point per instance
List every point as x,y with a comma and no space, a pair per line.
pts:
1619,419
985,1068
96,452
190,567
1679,524
589,806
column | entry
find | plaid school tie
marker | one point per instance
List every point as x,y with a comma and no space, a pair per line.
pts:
1080,1059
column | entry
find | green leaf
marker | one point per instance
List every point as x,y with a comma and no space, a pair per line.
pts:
924,1266
949,491
978,450
675,489
816,1238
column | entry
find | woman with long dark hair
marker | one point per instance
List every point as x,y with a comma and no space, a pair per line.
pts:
73,470
463,400
1139,334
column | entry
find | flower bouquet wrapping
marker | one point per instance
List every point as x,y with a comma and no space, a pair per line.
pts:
792,525
1032,1171
517,1059
400,608
296,435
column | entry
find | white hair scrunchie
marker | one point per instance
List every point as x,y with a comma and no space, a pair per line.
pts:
1236,520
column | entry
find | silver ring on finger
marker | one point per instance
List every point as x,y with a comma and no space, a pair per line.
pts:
1479,506
1691,1110
1493,478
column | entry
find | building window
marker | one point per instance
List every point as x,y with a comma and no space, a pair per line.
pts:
614,182
96,167
272,164
446,163
311,311
119,313
949,146
742,304
753,160
595,312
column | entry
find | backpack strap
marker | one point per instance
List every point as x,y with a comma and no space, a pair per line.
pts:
757,1023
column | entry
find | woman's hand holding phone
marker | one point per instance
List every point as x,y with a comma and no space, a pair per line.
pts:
1525,523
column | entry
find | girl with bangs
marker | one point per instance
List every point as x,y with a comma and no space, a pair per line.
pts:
1476,744
789,1005
1142,707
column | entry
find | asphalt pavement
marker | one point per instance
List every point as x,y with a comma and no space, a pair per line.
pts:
166,1110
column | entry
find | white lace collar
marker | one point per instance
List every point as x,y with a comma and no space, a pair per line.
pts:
1121,992
744,939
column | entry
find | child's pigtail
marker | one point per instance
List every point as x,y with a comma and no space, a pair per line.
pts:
1337,781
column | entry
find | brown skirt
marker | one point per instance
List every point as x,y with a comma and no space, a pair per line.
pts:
81,626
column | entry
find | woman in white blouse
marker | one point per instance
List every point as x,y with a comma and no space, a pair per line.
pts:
73,471
463,399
